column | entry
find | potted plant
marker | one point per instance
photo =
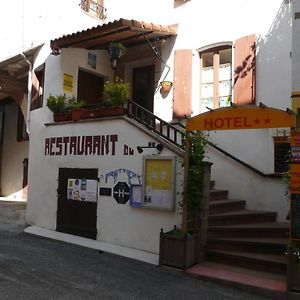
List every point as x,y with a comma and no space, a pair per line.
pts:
58,106
115,51
184,247
76,107
166,85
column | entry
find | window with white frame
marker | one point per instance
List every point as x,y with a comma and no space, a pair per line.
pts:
216,77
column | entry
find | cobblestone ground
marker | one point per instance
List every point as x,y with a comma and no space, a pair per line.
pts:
32,267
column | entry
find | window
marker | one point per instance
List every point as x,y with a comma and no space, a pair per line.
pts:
95,8
281,154
216,77
38,76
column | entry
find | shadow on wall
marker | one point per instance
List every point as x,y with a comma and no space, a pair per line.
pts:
273,60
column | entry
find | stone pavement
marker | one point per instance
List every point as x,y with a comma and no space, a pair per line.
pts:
33,267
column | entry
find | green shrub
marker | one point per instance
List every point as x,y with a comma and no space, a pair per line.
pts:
56,103
116,93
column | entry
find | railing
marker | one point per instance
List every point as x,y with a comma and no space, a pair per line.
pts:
156,124
175,135
98,9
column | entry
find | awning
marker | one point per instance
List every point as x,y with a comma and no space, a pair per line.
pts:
129,32
14,73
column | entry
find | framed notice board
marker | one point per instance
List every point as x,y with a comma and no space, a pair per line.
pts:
159,182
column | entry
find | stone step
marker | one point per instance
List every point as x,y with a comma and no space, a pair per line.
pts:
271,263
273,229
241,217
255,245
270,286
220,206
218,195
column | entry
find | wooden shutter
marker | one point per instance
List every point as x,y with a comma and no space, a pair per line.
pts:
244,70
182,89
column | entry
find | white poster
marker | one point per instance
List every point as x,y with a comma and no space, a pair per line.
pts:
82,190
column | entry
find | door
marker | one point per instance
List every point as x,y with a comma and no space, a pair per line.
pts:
78,215
89,87
143,86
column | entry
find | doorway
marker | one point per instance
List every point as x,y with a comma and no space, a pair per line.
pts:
143,86
76,215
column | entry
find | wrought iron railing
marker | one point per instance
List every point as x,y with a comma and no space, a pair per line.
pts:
156,124
98,9
175,135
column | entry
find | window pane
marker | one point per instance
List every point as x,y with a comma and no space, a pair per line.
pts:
208,103
225,56
225,72
224,101
207,75
207,59
207,90
225,88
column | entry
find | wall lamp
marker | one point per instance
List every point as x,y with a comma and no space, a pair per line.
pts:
159,147
55,50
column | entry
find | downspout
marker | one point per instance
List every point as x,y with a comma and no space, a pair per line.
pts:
29,85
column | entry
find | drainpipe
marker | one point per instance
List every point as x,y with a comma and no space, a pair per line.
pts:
29,85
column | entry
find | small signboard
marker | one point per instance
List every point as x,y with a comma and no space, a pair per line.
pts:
121,192
136,195
68,83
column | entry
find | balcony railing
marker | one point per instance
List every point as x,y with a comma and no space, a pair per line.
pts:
94,8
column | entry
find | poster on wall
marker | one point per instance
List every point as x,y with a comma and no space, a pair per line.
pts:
82,190
159,178
68,83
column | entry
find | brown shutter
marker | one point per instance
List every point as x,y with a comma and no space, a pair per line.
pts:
244,70
182,90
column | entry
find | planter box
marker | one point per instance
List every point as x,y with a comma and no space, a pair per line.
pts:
103,112
62,117
293,278
178,252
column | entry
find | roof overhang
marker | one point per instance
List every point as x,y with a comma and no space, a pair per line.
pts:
129,32
14,73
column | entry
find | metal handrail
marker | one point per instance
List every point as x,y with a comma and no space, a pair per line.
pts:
153,122
156,124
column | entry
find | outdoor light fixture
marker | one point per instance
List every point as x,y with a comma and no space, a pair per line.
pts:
55,50
159,147
115,51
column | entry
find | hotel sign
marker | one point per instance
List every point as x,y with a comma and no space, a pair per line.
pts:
243,117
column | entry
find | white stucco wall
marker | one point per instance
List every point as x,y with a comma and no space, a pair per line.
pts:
13,153
116,223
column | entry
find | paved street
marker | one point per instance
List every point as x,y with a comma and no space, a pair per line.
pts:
32,267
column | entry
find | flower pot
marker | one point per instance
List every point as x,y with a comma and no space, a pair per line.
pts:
77,114
166,86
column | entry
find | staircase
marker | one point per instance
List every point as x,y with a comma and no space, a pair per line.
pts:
245,248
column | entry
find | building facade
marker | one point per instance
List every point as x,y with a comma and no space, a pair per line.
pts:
215,54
